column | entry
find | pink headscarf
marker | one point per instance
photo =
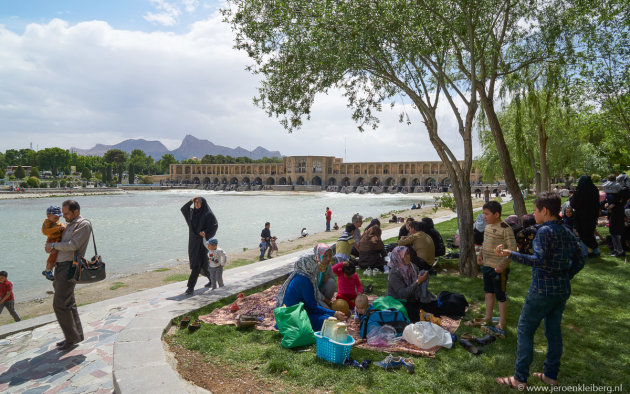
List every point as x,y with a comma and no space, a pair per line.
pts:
397,264
320,250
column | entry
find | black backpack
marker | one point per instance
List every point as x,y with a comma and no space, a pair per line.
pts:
452,305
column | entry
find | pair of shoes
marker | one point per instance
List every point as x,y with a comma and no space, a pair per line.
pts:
184,321
68,345
245,320
209,284
48,275
189,291
622,254
261,259
194,326
493,330
476,322
389,362
363,365
466,344
485,340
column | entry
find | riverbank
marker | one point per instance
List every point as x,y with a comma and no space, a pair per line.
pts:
7,195
116,286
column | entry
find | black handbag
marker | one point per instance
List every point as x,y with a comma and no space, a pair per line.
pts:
88,271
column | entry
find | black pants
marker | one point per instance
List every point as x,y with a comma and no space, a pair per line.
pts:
194,274
64,304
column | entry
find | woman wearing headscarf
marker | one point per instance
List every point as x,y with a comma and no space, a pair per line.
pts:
478,229
371,247
301,286
405,284
617,216
585,204
202,225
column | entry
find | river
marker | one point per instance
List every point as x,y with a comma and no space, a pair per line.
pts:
140,231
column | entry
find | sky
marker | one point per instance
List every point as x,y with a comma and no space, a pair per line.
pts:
74,73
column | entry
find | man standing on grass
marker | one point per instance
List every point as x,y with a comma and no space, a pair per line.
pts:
328,217
557,258
74,241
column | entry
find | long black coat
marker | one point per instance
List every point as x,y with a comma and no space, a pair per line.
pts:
617,214
585,202
199,220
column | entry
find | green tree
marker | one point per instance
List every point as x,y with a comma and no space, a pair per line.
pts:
32,182
19,172
165,162
86,173
190,161
207,159
117,159
34,172
1,173
373,51
53,159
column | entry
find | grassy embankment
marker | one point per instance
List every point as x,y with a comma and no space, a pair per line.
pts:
594,328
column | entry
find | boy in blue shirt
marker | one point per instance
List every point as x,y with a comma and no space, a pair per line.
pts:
557,258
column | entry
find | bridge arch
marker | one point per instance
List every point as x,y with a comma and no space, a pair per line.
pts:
358,182
332,181
206,181
270,181
374,181
246,180
300,180
345,181
429,181
403,182
234,181
316,181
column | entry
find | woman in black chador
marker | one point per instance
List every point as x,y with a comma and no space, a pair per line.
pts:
202,225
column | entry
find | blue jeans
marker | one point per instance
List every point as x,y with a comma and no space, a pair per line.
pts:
327,225
536,308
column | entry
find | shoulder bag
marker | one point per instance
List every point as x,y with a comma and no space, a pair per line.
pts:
87,271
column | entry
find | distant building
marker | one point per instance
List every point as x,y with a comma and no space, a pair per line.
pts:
321,171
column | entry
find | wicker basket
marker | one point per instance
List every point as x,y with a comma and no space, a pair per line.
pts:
333,351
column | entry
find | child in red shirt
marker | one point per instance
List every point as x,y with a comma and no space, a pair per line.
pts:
6,296
348,283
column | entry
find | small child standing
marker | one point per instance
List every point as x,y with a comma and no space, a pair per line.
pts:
218,260
274,246
495,268
52,228
348,282
6,296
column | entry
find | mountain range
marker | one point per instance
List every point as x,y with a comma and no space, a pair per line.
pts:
190,147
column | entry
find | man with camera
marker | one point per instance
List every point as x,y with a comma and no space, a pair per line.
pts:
74,239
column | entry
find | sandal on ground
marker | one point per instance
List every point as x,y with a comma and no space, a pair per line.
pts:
542,378
466,344
467,336
476,322
486,340
184,321
194,326
511,382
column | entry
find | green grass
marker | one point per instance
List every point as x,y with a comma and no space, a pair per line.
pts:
117,285
162,270
595,326
176,278
239,263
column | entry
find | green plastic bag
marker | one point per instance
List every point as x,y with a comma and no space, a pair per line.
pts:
294,326
383,303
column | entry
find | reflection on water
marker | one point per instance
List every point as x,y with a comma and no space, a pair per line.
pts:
145,230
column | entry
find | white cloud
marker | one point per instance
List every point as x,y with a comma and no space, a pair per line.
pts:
78,85
167,15
190,5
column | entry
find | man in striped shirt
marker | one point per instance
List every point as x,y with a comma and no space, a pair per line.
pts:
495,268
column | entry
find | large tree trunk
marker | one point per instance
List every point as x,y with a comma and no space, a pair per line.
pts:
544,167
536,172
463,201
504,154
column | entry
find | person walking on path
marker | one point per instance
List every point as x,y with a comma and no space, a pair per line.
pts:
585,204
74,242
202,225
328,215
265,235
6,296
218,260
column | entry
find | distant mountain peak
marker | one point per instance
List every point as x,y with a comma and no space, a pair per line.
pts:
190,146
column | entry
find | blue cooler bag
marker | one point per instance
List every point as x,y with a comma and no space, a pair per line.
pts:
374,318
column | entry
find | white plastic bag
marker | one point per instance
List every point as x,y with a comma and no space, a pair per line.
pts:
426,335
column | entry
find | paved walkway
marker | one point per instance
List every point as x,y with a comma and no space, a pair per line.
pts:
122,350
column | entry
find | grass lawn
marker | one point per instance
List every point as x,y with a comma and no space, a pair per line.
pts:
595,325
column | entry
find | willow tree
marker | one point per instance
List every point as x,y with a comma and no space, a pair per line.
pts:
374,52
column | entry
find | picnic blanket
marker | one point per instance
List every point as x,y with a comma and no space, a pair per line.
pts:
259,304
262,305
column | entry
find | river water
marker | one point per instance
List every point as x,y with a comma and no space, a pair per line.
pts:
140,231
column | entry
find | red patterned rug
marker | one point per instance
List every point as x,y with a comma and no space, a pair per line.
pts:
262,305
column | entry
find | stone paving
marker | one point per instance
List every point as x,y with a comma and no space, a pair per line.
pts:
30,362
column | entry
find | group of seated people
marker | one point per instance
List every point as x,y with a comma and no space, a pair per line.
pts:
319,275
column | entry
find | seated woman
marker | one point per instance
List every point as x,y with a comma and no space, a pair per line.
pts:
344,243
405,284
371,247
301,286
